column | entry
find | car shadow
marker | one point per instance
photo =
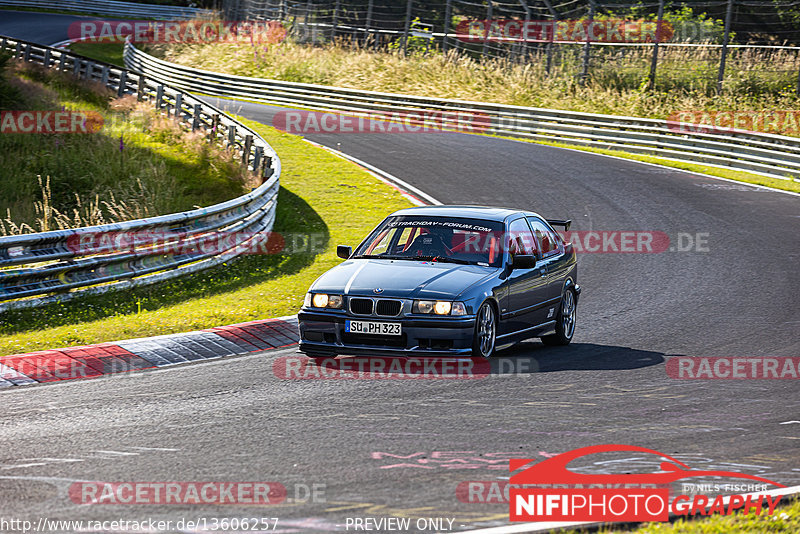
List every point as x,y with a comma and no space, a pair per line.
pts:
539,358
523,358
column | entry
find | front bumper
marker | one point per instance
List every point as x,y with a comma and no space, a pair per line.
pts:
323,334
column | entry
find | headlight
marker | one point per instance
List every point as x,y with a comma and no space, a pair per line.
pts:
442,307
439,307
323,300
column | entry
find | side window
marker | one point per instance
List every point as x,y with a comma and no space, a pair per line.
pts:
520,239
549,241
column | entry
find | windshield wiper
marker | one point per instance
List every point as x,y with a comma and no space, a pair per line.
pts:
383,257
415,258
446,259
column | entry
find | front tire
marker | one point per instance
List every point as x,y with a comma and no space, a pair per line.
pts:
485,336
565,322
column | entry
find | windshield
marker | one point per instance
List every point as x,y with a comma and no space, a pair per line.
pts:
447,239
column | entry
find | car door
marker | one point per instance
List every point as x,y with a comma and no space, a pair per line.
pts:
527,288
553,259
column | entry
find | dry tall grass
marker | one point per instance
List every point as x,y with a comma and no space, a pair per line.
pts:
141,163
756,79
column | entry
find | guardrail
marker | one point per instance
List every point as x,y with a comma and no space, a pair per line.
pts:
769,155
55,267
114,7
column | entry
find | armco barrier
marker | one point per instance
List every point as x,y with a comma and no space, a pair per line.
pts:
52,270
764,154
114,8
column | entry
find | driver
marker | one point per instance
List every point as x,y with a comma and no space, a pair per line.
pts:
433,242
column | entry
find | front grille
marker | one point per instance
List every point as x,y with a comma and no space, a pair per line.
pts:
388,308
361,306
374,340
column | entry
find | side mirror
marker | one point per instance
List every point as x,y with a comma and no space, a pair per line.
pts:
523,261
344,251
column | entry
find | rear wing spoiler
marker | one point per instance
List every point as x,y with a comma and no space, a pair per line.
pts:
560,222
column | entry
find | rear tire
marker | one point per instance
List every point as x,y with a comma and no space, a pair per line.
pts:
485,336
565,322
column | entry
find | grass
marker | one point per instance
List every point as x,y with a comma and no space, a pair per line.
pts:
786,519
108,52
756,80
320,195
139,164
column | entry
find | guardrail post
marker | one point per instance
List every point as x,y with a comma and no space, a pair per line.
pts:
196,117
654,61
4,43
368,22
27,53
257,158
62,62
407,27
231,136
551,43
18,50
248,142
523,50
335,19
448,14
214,125
123,82
76,68
725,40
140,88
489,15
47,58
90,70
178,105
104,75
587,47
159,96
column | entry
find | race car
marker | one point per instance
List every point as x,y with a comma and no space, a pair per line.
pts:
445,281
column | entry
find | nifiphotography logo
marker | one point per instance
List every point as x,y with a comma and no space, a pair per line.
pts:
620,497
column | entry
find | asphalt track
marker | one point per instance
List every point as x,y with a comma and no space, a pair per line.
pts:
233,420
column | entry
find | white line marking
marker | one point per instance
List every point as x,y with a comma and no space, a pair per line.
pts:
381,174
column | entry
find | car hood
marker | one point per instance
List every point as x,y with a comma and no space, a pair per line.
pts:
401,278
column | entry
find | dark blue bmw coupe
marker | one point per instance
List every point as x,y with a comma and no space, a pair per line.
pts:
448,281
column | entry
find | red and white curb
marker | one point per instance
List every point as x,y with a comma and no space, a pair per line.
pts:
93,361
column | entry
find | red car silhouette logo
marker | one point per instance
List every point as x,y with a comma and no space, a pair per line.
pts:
554,470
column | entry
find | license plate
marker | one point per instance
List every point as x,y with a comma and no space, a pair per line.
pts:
370,327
